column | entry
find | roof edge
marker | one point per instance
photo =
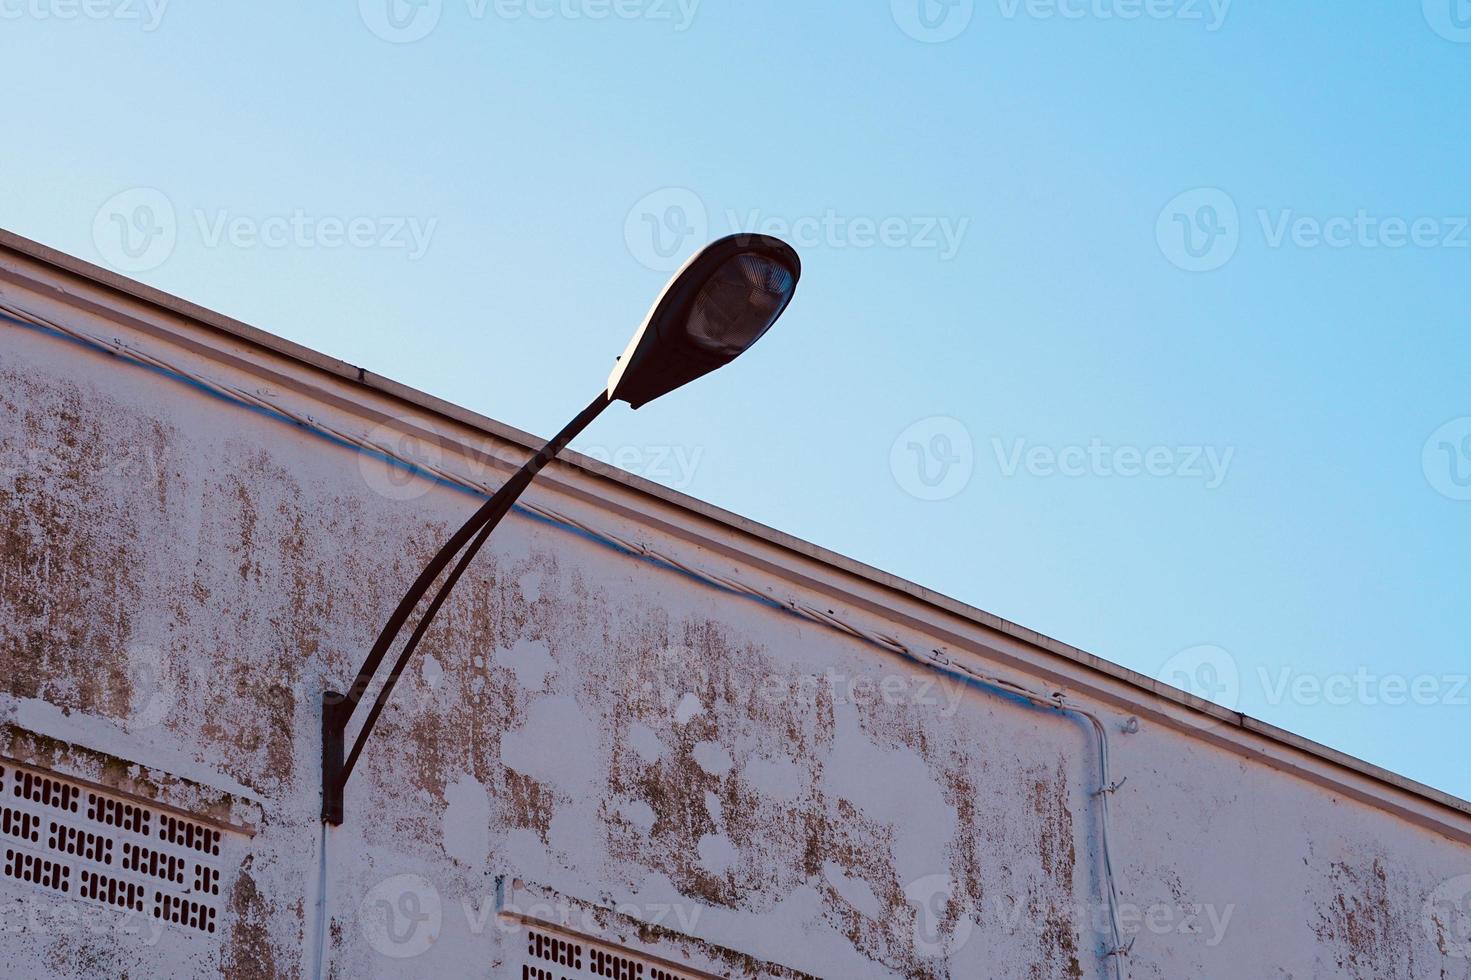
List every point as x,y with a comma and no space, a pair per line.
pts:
1148,687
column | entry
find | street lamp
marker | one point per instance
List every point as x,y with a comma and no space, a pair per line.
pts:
717,306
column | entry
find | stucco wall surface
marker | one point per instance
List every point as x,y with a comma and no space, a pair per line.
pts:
769,796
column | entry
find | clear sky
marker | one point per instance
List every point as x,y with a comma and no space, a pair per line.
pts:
1142,323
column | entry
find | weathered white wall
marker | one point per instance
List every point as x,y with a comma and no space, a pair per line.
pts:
609,729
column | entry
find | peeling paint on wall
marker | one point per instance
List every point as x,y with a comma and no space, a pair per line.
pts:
584,718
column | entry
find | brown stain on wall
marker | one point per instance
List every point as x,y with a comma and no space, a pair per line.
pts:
1362,929
68,548
528,803
434,733
1055,844
249,953
1053,902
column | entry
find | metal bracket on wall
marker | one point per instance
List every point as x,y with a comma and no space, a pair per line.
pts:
333,737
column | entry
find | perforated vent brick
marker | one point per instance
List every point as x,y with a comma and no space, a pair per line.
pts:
94,846
549,956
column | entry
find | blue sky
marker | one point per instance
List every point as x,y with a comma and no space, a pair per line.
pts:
1139,322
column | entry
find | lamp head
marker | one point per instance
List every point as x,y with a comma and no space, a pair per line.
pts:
720,303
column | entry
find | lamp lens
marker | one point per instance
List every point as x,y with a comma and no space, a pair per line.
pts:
739,303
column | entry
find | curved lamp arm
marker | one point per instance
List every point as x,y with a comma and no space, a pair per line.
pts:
720,303
337,709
